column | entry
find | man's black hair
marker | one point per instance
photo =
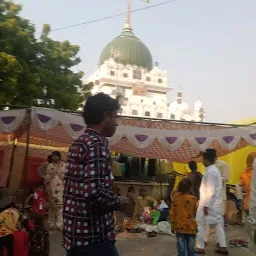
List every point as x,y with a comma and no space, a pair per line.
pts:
210,155
57,153
49,158
184,186
192,166
130,189
96,106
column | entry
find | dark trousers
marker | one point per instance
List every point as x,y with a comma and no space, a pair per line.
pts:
6,242
98,249
164,213
186,244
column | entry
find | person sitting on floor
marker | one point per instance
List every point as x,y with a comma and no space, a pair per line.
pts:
129,209
164,210
143,201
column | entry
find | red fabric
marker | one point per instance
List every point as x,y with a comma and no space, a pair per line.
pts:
33,178
1,163
1,158
39,201
31,225
21,244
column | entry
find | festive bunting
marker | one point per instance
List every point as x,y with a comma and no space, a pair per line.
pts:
138,137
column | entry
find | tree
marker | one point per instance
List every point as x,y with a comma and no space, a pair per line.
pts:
17,46
9,70
87,90
62,86
36,72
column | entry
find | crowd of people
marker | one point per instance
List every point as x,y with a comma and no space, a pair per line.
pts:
21,235
25,234
83,201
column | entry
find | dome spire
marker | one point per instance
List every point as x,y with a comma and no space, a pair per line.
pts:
127,25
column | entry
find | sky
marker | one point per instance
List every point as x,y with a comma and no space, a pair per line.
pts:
208,47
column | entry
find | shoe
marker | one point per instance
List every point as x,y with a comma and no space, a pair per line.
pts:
151,234
222,251
199,251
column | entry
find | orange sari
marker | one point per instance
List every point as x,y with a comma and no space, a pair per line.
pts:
245,182
246,179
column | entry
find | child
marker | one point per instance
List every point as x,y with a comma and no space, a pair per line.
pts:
20,237
39,238
182,216
39,200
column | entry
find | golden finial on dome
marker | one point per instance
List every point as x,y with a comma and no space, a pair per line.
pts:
128,16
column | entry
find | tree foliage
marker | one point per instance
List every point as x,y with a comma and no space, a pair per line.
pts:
87,90
36,71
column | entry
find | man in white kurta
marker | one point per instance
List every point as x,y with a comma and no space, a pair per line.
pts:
224,170
251,219
210,209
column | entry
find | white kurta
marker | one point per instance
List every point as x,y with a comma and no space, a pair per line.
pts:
224,170
211,197
251,219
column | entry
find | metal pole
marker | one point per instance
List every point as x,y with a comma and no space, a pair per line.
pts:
28,126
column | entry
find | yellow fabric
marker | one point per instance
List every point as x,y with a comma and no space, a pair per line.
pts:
116,169
182,214
8,222
236,160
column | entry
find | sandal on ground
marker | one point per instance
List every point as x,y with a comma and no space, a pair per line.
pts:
199,251
151,234
223,252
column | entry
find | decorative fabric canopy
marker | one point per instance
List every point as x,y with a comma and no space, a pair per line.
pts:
143,138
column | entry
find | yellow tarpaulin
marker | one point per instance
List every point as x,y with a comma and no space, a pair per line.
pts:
236,161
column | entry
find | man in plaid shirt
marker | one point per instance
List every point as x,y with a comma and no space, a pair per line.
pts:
89,201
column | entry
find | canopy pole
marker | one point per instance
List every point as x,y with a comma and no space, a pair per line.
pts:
11,164
28,126
160,174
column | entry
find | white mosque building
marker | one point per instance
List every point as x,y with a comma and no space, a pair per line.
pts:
126,71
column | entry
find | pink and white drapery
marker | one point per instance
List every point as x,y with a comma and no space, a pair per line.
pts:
10,120
140,138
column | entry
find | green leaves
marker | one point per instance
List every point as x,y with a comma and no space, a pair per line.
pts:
36,72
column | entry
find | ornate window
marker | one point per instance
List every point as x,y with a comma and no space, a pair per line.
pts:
148,79
160,81
147,113
125,75
112,73
159,115
172,116
134,112
137,74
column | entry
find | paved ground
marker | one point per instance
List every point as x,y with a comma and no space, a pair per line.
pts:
140,245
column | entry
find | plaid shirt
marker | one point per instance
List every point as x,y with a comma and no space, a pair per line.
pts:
88,198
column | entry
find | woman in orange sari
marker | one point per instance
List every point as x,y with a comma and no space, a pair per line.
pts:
245,180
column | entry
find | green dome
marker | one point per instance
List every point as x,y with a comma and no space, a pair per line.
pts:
130,51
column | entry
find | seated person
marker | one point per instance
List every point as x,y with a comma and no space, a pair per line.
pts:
164,210
143,201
